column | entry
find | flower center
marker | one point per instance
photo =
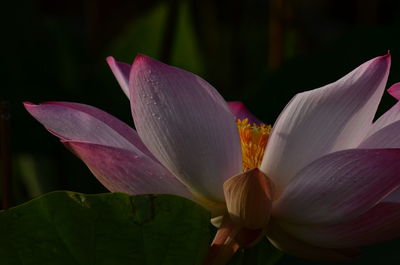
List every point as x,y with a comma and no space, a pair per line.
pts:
253,139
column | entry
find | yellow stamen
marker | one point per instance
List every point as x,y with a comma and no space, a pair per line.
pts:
253,139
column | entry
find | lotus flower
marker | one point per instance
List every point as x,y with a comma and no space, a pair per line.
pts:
327,181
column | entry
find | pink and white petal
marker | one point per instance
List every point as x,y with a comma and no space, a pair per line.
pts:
385,132
379,224
121,170
186,124
79,122
340,186
293,246
317,122
387,137
389,117
394,90
121,72
241,112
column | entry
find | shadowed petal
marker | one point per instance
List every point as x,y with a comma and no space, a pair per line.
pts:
241,112
121,72
324,120
79,122
379,224
289,244
186,124
340,186
121,170
393,197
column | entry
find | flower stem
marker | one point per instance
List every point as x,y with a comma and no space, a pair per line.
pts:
224,245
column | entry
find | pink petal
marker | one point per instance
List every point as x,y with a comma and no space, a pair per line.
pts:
340,186
79,122
240,112
289,244
324,120
121,72
394,90
186,124
121,170
385,132
379,224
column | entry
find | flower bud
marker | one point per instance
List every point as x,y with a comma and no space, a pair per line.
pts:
249,199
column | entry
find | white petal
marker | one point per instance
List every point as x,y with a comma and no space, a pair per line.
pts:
385,132
186,124
340,186
324,120
387,137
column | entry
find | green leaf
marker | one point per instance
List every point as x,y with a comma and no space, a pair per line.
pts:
113,228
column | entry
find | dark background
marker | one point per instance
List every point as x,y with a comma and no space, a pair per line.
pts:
261,52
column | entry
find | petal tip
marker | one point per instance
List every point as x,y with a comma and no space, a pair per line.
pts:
380,64
110,60
142,60
387,57
146,67
383,59
29,105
